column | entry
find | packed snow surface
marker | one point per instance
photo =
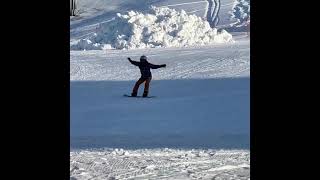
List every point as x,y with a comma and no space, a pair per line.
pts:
160,164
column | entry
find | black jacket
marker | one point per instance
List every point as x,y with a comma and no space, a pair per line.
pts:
145,67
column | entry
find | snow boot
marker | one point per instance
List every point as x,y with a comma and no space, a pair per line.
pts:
145,94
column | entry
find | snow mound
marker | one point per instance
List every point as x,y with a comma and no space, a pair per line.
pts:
160,27
241,14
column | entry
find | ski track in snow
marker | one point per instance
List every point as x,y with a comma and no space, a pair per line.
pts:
219,61
195,2
160,164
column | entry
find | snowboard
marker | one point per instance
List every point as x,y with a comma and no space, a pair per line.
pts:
126,95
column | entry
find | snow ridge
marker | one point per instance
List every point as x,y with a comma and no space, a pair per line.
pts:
161,27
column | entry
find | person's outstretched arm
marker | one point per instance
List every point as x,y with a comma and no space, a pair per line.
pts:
134,62
153,66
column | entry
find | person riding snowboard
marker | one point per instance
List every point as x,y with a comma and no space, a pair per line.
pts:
146,76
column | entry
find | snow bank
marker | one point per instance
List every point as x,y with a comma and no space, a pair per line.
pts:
161,27
241,14
241,10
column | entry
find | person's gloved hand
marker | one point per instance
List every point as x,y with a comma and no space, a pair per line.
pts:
129,59
163,65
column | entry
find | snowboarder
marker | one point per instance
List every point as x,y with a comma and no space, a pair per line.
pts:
146,76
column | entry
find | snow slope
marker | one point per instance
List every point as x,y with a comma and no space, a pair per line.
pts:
202,98
219,61
198,126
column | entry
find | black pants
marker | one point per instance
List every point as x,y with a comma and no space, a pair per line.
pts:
147,81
